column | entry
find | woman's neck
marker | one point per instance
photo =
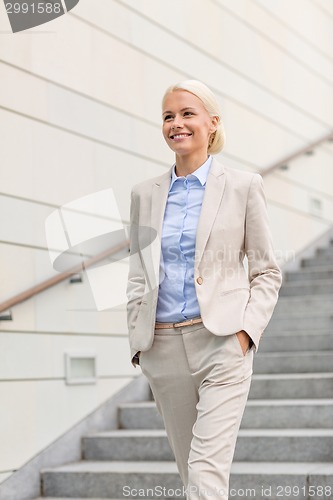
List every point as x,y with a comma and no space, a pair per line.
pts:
186,165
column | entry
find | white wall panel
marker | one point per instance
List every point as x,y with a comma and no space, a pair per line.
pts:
296,197
47,52
57,167
42,356
233,84
259,60
22,221
329,148
75,310
305,19
126,75
120,171
89,322
23,92
16,269
220,76
259,19
118,74
288,241
236,162
49,164
50,408
314,171
101,123
249,136
325,5
22,268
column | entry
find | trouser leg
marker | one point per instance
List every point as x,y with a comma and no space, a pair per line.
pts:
220,410
223,377
166,367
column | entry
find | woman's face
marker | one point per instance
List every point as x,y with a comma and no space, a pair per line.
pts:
186,124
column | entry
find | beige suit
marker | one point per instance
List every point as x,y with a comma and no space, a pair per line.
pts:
233,223
198,374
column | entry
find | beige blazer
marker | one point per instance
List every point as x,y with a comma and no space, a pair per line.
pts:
233,223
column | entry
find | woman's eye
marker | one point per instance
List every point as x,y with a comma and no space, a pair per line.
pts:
167,117
188,113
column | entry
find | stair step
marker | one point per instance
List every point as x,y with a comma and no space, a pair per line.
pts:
308,445
273,414
292,385
325,252
310,287
141,415
108,480
318,261
297,322
319,305
273,481
300,341
284,414
311,273
127,444
293,362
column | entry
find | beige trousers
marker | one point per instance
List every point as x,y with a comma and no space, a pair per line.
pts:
200,382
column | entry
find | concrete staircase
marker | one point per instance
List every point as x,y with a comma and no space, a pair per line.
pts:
285,445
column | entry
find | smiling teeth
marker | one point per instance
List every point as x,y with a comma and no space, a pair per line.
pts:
180,135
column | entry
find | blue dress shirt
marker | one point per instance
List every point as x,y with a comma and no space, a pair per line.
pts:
177,299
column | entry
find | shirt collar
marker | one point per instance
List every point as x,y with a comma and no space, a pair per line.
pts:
201,173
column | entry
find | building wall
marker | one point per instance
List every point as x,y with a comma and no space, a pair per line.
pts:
300,201
80,112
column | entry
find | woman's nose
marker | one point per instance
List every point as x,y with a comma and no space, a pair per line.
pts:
177,122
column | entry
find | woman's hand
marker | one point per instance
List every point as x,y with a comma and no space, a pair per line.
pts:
244,340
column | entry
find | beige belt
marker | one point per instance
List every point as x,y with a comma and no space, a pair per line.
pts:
192,321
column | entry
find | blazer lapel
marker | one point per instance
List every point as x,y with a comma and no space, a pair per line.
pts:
159,197
212,199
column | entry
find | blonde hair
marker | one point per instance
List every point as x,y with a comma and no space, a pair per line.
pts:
211,105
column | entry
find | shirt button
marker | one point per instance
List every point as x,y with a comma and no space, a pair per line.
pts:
199,280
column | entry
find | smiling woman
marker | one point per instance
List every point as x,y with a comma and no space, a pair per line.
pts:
197,333
187,128
190,110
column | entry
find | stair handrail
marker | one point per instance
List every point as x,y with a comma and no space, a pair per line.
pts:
299,152
48,283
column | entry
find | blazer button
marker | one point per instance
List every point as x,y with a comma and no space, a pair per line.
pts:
199,280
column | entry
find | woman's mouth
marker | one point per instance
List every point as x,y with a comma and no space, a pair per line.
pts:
179,137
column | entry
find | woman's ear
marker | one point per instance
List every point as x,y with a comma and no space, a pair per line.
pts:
215,121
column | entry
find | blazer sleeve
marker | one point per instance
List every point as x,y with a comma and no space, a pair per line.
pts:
264,274
136,277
